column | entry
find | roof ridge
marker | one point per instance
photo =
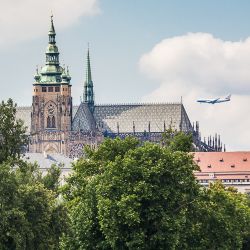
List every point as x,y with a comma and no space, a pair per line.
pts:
139,103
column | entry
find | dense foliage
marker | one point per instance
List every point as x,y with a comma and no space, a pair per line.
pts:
126,195
30,216
12,132
177,140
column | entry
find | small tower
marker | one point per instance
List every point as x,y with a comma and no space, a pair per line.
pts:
88,95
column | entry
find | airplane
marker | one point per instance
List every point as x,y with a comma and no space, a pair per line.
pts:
216,100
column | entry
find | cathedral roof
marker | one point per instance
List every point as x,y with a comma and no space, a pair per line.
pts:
108,117
140,117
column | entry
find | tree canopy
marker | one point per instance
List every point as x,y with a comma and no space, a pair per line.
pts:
30,215
125,195
177,140
12,132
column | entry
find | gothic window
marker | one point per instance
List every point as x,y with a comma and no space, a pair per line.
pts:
53,122
57,89
49,122
44,89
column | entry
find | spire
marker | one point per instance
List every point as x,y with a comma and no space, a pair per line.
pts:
52,33
88,95
52,71
88,72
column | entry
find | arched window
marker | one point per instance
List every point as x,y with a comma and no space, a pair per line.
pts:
53,122
49,122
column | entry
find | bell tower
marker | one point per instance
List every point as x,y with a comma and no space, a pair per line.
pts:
51,115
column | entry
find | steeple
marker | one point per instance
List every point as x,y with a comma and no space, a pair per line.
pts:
88,95
52,32
52,71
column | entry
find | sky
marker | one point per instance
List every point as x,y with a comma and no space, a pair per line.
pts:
141,51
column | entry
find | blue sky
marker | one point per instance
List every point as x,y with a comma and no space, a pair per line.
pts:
127,39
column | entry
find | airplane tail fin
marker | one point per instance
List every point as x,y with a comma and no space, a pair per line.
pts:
228,97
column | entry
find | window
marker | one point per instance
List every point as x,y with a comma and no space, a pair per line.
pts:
50,89
57,89
44,89
51,122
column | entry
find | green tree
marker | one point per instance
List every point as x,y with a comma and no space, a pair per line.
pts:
218,219
12,132
52,179
177,140
127,196
31,217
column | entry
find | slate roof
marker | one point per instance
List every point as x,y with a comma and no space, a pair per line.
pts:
107,117
83,119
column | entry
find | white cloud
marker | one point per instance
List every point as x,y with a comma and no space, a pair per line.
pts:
197,65
21,20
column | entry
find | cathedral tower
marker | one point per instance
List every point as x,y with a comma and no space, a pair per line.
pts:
51,115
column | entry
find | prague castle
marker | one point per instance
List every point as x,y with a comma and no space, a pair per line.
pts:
55,125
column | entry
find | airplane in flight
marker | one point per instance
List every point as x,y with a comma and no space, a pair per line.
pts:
216,100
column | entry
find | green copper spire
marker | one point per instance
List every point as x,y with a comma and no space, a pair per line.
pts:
88,73
88,95
52,71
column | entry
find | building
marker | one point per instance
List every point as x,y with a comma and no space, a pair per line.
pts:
56,126
231,168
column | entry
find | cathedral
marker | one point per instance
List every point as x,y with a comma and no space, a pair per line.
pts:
55,125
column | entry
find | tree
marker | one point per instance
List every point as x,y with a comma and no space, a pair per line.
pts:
52,179
177,140
12,132
127,196
218,219
31,217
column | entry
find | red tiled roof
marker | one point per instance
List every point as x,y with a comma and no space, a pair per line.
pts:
224,165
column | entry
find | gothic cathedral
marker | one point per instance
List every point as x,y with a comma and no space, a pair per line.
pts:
58,127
